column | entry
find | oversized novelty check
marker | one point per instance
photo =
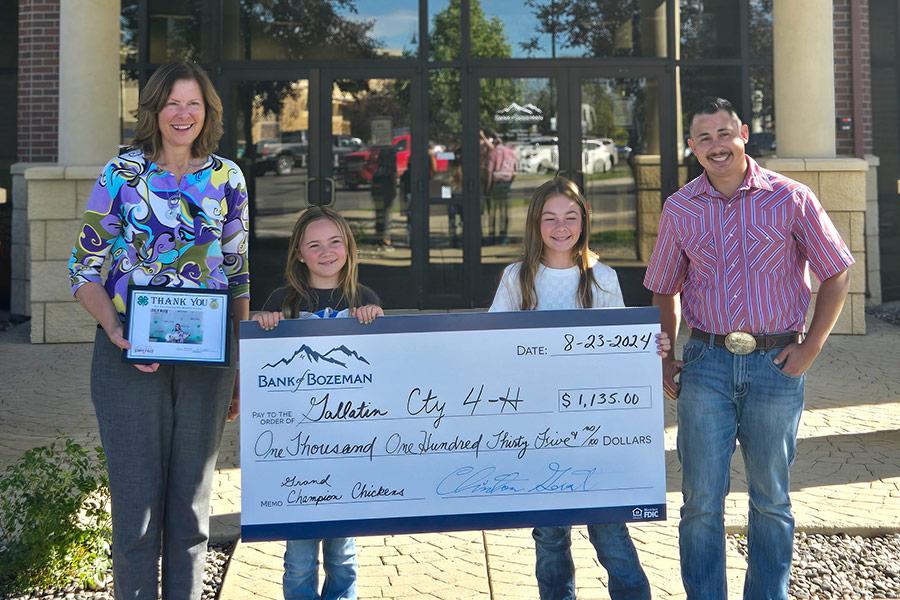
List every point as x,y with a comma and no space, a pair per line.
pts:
450,422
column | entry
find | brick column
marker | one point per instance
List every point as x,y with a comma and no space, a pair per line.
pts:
38,80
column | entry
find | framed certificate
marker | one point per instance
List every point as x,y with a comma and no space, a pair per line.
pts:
177,325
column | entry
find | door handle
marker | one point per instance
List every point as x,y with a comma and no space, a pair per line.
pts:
310,191
327,190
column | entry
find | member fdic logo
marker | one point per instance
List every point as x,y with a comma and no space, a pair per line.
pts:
645,513
307,368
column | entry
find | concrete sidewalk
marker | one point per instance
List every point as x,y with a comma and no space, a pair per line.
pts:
846,479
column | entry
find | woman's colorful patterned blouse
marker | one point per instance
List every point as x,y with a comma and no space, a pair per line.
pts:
160,232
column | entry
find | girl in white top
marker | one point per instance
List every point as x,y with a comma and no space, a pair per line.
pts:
559,271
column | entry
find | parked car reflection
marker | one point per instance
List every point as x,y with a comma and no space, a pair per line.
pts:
541,155
283,156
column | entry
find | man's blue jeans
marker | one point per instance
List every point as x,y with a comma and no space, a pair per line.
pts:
725,397
301,569
555,569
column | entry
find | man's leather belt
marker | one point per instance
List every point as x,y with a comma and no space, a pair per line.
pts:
740,342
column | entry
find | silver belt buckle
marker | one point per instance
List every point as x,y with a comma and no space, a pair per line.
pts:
740,343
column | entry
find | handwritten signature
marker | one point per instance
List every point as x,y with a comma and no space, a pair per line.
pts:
487,481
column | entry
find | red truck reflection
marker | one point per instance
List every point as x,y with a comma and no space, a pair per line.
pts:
357,168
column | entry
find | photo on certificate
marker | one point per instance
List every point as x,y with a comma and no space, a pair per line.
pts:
177,325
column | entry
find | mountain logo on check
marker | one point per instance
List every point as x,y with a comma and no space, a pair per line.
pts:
339,355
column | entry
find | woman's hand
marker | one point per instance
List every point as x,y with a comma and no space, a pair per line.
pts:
267,320
116,335
366,314
663,344
234,409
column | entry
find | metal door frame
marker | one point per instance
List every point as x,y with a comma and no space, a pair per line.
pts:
568,127
319,110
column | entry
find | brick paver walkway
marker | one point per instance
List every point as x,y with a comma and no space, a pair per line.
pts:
846,478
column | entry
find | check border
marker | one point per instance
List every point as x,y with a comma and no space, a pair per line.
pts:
464,321
644,315
460,522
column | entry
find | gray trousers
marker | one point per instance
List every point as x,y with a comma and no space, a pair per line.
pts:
161,433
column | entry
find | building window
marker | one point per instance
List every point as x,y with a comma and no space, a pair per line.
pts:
178,30
710,29
128,25
319,29
761,29
563,29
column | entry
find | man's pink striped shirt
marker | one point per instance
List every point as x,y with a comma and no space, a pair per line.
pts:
740,263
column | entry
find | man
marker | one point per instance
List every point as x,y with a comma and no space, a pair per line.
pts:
732,253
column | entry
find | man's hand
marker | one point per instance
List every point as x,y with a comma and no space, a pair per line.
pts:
671,368
797,358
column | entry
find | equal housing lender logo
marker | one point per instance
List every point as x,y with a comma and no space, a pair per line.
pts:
307,368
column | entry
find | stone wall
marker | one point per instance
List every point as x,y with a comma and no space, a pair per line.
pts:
873,238
840,184
56,200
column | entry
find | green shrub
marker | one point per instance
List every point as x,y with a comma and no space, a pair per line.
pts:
55,528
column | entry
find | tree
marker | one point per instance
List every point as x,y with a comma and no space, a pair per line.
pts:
308,29
488,39
549,15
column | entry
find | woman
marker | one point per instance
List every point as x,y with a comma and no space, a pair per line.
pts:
168,213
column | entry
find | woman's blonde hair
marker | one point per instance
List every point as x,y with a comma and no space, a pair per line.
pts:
156,92
534,244
300,293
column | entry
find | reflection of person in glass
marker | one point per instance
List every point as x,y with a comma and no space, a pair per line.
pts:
454,208
384,191
501,171
161,428
485,147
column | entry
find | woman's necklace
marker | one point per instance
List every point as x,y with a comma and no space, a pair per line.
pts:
174,201
181,170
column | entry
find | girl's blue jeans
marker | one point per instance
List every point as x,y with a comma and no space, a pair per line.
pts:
726,398
555,569
301,569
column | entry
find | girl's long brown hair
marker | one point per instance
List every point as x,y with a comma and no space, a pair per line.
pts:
153,99
300,293
534,244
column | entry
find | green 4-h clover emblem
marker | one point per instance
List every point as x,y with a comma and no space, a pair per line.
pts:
143,300
214,304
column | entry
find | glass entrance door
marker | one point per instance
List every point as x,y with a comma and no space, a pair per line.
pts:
338,139
267,125
624,147
606,133
368,150
620,160
519,143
